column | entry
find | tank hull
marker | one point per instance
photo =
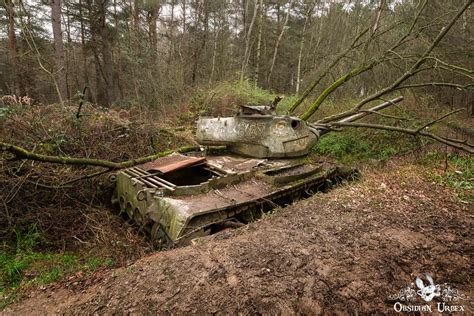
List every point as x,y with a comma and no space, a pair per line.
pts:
184,197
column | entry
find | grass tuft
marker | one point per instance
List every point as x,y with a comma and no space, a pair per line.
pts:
22,267
353,145
454,171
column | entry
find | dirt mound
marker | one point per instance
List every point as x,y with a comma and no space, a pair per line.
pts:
347,250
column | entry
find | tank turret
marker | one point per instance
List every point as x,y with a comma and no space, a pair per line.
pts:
257,132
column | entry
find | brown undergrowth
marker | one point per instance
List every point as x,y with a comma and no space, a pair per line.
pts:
73,215
60,217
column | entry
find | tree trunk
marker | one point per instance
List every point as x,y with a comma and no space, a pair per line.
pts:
171,34
136,27
70,56
247,43
101,39
184,8
60,70
300,54
245,9
275,51
118,55
214,51
152,24
377,17
183,36
259,44
12,48
107,59
84,50
199,48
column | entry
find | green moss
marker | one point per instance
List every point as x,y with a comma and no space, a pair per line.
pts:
336,84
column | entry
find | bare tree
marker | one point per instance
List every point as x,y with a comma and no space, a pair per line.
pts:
202,12
12,46
259,42
277,43
153,10
308,14
246,55
214,50
102,36
60,70
412,70
334,121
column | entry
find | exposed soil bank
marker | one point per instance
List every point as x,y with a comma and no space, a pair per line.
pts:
347,250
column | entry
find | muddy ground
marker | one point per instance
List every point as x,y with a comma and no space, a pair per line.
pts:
345,251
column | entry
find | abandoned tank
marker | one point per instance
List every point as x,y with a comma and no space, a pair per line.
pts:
181,197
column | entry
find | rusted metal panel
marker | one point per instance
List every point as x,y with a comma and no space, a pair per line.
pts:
173,163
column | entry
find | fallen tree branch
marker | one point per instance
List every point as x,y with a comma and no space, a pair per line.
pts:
453,67
386,115
439,64
435,84
406,75
361,69
459,144
66,185
439,119
22,153
326,71
356,71
381,106
335,85
454,70
423,58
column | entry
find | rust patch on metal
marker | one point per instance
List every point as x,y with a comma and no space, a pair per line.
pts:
172,163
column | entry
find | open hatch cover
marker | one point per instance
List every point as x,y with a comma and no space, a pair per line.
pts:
172,163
